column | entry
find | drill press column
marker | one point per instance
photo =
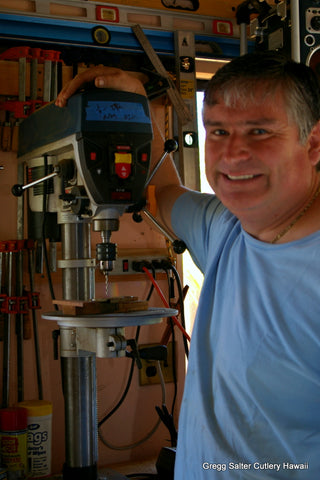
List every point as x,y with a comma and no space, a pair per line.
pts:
78,370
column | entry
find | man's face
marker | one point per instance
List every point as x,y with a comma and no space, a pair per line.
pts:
254,160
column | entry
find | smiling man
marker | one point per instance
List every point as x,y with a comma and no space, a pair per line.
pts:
259,165
252,393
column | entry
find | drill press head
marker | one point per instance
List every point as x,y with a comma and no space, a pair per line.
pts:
108,135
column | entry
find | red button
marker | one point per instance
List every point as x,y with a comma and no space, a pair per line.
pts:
93,155
123,170
125,265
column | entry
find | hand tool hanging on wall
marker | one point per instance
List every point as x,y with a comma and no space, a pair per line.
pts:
3,247
16,302
10,248
50,74
33,306
24,105
21,311
17,108
20,54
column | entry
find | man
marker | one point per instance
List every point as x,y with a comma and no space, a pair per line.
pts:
251,405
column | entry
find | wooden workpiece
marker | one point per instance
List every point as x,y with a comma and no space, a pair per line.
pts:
108,305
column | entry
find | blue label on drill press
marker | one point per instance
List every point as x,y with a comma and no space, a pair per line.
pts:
110,111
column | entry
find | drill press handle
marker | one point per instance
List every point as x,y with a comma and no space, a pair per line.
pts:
64,169
18,189
170,146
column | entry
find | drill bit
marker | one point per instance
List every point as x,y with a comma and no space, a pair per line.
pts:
106,283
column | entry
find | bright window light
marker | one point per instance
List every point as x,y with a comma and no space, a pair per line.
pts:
191,274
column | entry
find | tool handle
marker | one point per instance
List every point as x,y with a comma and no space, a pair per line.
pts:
170,146
18,189
178,245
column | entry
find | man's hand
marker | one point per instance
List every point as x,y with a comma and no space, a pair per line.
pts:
103,77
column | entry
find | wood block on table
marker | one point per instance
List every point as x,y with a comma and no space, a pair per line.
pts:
108,305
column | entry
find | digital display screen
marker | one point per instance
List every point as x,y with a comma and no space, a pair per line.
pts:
113,111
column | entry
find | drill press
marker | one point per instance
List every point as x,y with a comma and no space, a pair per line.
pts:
97,152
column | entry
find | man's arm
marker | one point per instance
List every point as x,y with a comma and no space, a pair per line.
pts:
166,180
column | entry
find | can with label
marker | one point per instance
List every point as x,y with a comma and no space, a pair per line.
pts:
13,442
39,437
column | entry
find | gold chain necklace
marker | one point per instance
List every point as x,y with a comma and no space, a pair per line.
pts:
301,214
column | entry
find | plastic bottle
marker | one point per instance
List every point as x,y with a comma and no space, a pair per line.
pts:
39,437
13,442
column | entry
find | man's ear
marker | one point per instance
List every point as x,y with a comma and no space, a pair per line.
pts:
314,144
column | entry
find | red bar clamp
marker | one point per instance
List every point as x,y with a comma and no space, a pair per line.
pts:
34,300
10,305
22,305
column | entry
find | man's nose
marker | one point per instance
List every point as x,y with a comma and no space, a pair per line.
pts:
236,148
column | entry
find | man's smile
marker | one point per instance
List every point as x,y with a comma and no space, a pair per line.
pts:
241,177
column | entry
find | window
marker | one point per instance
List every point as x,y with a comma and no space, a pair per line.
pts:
191,274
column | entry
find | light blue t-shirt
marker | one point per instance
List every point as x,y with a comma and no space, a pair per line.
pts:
251,404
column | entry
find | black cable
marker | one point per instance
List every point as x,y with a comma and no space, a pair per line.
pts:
126,390
168,266
106,417
174,369
167,269
181,304
153,270
129,381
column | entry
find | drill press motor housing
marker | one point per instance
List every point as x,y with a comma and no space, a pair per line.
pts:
111,133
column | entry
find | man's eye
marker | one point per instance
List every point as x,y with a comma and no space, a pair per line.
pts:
259,131
218,132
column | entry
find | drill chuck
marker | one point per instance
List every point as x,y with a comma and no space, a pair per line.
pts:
106,251
106,255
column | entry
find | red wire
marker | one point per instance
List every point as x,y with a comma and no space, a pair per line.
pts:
161,295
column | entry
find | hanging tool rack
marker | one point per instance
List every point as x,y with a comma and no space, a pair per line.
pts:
20,303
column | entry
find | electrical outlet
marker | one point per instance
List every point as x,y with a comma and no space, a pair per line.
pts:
127,265
148,374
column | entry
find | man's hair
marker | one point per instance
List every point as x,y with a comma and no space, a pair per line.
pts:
271,72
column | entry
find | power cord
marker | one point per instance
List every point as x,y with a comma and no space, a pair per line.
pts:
126,390
124,395
160,293
181,306
152,431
